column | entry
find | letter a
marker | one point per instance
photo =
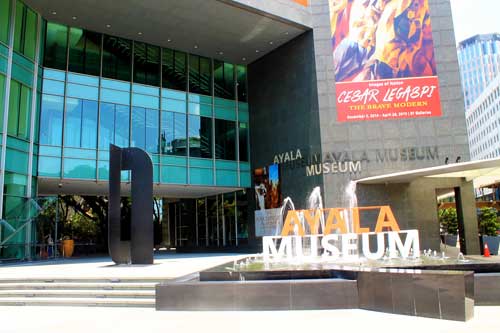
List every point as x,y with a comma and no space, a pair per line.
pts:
292,220
386,219
314,220
333,216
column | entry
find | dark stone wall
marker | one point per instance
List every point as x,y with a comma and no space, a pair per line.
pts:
284,115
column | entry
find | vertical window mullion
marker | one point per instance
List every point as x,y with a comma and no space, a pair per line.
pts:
81,124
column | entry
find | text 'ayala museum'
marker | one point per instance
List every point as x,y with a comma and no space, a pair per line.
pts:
242,105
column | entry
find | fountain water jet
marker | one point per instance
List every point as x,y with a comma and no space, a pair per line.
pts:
315,203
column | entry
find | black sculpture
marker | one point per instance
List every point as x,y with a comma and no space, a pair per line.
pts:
139,249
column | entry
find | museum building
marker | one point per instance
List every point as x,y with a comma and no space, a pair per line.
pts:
226,96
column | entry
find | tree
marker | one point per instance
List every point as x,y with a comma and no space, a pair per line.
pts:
488,221
448,220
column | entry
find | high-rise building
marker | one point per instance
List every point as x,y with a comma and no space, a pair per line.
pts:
483,123
479,61
240,103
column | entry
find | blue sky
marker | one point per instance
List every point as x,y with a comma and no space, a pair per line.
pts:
472,17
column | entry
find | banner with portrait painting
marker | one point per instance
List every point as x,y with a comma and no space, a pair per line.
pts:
384,62
268,199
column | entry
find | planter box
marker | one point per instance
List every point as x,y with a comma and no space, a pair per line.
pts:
493,243
451,240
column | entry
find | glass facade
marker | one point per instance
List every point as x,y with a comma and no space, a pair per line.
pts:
181,108
67,93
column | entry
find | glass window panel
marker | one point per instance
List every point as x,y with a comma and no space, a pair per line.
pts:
152,130
2,96
122,119
76,50
200,136
30,34
225,139
84,51
55,46
89,124
146,64
117,58
106,125
223,79
115,96
51,120
138,127
243,141
14,100
23,130
241,74
53,87
4,20
18,27
73,122
78,168
173,105
92,53
173,133
174,69
200,75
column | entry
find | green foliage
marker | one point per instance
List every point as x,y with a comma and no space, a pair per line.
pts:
84,228
448,220
488,221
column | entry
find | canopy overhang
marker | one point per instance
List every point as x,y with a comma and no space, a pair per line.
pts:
482,173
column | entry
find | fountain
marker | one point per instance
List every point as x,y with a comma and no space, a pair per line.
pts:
313,280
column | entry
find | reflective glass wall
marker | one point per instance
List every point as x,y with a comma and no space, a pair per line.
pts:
189,112
66,94
20,28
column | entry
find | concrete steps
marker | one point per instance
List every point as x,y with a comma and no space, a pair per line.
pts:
129,292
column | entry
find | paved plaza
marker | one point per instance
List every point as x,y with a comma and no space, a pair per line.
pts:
43,319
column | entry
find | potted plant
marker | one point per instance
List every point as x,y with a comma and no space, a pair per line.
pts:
67,242
488,228
449,225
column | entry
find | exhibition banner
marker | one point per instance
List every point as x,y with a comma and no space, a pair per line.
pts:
384,63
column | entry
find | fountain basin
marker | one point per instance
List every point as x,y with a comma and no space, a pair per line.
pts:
428,293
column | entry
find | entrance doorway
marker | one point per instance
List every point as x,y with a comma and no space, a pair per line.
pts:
451,220
218,221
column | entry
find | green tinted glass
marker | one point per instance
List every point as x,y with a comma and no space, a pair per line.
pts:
25,30
241,76
146,64
55,46
84,51
30,34
225,139
174,67
23,128
4,20
200,75
117,58
223,80
2,98
14,99
18,27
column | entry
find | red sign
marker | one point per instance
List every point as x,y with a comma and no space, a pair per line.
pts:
388,99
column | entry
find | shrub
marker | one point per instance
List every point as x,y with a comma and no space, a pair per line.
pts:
448,220
488,221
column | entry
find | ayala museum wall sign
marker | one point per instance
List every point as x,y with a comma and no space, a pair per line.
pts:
384,62
341,236
351,161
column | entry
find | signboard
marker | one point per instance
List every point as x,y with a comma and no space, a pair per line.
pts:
268,199
340,236
384,62
302,2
